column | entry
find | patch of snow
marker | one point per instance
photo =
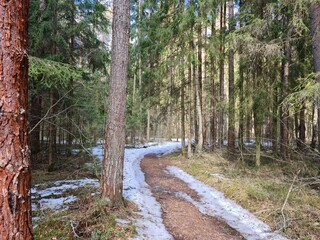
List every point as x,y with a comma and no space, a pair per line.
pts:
50,198
98,152
150,225
213,203
56,203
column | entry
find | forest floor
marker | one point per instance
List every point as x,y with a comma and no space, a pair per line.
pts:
166,202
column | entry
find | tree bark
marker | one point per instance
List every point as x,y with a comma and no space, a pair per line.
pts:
183,127
15,175
221,67
231,134
34,118
189,112
315,29
213,92
284,129
199,92
112,172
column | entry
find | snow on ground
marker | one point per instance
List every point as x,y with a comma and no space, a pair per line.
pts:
52,197
213,203
136,190
150,225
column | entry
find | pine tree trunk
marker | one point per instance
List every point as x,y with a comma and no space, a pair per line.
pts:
284,129
112,172
274,137
204,108
34,118
148,124
15,175
221,67
315,29
199,93
52,131
183,127
140,68
313,134
213,93
189,112
302,129
231,133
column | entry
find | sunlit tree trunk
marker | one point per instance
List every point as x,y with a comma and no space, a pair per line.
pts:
15,175
112,172
199,92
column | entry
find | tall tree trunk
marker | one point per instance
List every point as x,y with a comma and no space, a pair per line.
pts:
284,129
221,67
213,92
302,128
34,118
140,68
183,127
204,105
52,131
195,100
112,172
315,29
189,112
274,137
15,175
231,134
169,113
313,134
148,123
199,92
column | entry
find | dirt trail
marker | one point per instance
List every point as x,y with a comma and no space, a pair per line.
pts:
181,218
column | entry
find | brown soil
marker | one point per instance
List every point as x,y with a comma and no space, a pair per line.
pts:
181,218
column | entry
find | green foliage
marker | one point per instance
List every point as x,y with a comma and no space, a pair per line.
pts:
49,74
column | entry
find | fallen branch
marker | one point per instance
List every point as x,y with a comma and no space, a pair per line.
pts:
286,200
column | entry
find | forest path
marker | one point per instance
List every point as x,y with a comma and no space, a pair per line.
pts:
182,219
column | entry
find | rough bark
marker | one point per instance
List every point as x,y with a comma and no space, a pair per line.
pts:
112,172
315,29
15,175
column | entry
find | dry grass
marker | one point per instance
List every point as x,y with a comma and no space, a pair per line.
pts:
89,218
263,191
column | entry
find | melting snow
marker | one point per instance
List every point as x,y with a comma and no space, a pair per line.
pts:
51,197
150,224
214,203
